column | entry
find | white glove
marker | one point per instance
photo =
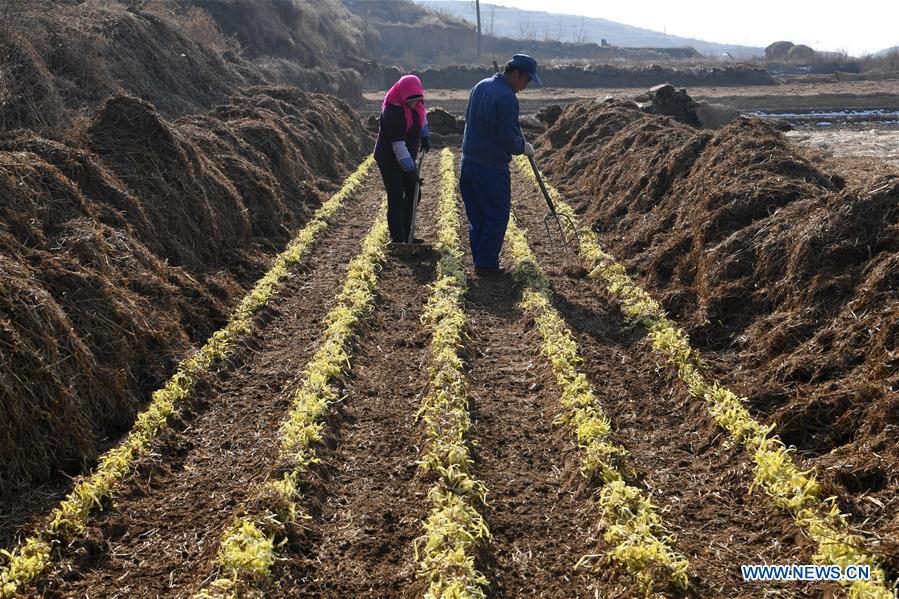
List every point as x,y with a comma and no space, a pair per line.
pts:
528,150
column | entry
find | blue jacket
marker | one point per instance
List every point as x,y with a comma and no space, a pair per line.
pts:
492,134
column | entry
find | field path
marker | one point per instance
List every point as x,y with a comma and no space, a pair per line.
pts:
163,534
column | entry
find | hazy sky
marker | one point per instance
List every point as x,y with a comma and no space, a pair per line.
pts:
857,27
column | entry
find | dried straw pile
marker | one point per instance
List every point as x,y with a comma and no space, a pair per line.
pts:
770,263
117,256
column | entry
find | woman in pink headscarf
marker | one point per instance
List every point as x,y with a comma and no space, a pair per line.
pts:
403,127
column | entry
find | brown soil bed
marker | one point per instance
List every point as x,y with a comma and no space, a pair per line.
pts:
162,536
539,515
783,273
682,459
538,511
367,500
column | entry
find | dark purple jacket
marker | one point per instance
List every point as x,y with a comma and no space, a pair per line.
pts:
393,129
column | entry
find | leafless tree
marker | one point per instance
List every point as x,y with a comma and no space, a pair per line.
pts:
553,31
491,21
526,30
579,32
559,30
891,60
440,11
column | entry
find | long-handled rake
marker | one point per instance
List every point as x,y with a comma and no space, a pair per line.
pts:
416,198
554,222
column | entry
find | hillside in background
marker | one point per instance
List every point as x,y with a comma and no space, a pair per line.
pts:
515,23
313,33
414,36
403,33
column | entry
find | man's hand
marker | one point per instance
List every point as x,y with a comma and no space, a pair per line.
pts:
528,150
426,143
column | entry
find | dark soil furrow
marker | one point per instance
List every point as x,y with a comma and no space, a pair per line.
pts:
682,458
368,503
540,520
538,513
162,536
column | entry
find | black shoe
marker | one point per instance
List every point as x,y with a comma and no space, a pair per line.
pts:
490,272
417,240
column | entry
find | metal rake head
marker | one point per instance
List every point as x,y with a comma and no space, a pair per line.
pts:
560,231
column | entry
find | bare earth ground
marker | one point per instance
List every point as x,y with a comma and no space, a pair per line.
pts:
539,513
365,498
780,98
879,144
369,502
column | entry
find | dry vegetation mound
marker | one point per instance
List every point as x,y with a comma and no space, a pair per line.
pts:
62,58
770,263
119,255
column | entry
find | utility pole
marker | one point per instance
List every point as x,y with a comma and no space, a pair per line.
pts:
477,4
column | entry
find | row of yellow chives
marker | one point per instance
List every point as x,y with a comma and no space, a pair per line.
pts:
31,558
247,551
454,530
791,489
630,522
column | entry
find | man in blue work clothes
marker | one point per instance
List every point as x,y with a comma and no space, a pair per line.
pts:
492,136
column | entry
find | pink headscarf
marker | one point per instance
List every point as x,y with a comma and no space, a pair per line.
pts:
406,87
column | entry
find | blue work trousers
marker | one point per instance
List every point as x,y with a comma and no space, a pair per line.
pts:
487,193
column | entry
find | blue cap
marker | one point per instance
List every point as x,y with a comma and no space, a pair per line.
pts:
525,63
